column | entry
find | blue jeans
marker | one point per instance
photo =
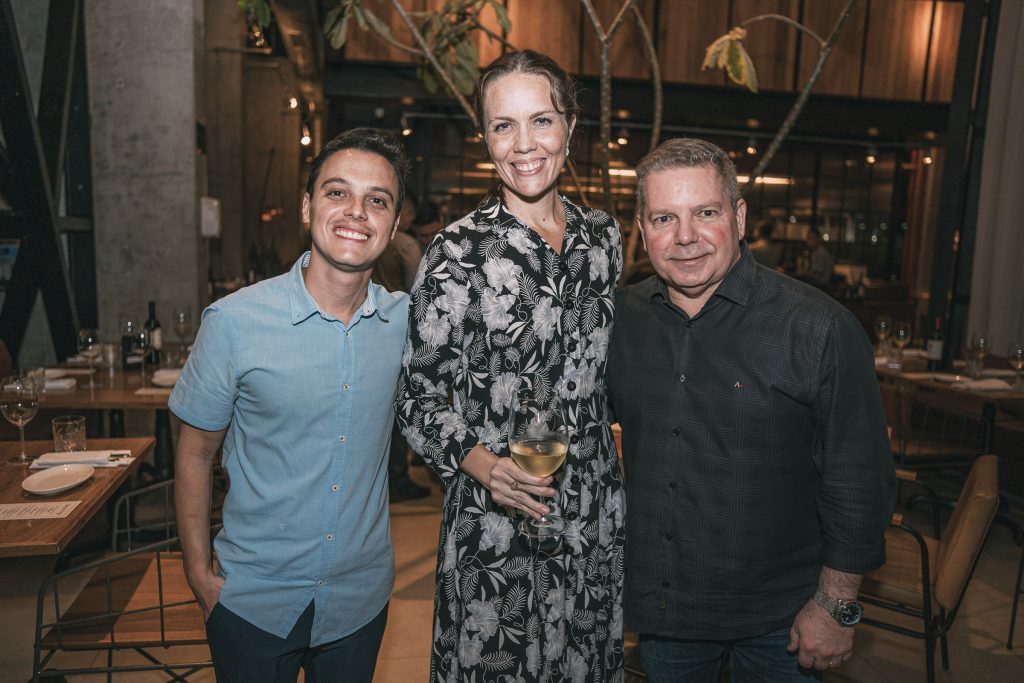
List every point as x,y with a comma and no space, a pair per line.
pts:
762,659
243,653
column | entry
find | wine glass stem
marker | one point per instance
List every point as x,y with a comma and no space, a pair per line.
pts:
21,434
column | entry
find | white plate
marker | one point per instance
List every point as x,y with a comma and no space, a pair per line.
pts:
57,479
165,378
55,373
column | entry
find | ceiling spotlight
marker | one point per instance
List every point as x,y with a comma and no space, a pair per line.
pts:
306,138
623,137
293,102
406,128
751,146
926,158
872,155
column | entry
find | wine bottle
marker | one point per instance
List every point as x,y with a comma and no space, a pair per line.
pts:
152,325
934,346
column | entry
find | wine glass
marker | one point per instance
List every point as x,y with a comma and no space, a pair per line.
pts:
902,331
539,440
89,348
883,327
977,353
1015,356
142,341
182,325
19,403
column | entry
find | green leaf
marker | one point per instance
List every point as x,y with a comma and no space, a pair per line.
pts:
429,80
376,23
739,66
360,17
339,35
502,14
332,17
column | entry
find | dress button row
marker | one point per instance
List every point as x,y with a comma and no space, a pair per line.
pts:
570,385
571,346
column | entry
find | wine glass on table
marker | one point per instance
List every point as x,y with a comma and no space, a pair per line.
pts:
539,440
182,331
976,354
89,348
902,331
142,341
883,328
1015,356
19,403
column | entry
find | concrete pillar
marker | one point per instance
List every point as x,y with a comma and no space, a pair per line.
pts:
142,89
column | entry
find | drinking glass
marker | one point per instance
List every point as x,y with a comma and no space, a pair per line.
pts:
1015,356
883,327
539,440
182,330
90,348
19,403
68,433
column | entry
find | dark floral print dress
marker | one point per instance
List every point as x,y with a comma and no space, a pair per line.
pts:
495,308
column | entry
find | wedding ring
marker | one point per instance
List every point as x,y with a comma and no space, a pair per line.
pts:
514,485
831,663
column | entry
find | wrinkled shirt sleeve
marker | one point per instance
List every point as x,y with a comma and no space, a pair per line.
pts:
856,476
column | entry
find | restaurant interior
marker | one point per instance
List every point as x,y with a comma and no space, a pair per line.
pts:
153,155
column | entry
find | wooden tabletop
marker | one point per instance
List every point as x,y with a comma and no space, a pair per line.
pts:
112,389
52,536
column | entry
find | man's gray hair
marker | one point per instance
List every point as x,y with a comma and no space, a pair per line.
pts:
688,153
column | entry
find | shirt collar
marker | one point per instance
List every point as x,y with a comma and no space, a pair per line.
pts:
303,306
737,285
494,206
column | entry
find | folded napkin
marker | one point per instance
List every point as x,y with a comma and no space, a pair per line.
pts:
61,384
85,372
94,458
153,391
991,384
166,377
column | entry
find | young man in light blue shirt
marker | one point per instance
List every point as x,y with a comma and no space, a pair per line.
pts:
295,377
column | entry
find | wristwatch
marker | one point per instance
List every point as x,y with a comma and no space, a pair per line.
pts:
846,612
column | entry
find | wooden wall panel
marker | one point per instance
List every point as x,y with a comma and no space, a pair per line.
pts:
628,54
945,42
548,26
771,44
685,29
841,75
897,44
488,48
367,45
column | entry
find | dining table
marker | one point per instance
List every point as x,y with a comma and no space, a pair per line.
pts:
53,535
112,391
990,405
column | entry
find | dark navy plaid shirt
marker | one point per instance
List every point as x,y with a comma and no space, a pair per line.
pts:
755,452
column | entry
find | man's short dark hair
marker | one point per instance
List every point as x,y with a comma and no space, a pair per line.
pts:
426,213
372,140
688,153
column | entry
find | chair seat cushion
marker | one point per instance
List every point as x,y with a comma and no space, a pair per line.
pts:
899,579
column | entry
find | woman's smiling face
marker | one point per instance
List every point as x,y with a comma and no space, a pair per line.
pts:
525,133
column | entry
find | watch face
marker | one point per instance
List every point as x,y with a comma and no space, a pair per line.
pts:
849,613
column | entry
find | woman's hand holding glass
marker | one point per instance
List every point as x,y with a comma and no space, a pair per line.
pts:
512,487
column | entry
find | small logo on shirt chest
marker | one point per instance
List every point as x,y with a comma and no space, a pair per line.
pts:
738,385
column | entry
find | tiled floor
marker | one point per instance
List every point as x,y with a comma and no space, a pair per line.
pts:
977,642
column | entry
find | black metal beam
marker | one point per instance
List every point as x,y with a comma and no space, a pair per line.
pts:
55,93
39,265
952,260
78,190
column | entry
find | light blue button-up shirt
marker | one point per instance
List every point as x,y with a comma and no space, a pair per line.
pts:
308,403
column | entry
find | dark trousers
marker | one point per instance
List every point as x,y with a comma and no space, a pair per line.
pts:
243,653
398,456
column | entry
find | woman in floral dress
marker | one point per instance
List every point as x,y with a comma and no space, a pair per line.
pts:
519,294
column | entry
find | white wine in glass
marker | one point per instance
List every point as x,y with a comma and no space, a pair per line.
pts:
19,404
539,441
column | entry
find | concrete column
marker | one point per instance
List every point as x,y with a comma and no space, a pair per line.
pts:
142,89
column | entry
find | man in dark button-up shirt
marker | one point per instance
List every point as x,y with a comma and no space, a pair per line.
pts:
758,473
